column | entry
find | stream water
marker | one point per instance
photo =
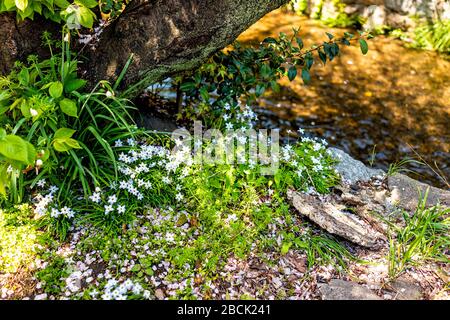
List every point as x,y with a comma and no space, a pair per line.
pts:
380,108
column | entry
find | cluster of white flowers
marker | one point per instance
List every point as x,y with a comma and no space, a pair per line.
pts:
238,116
115,291
110,204
65,211
43,204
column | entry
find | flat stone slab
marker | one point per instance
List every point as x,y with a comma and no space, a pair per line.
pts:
406,290
331,216
353,170
338,289
405,192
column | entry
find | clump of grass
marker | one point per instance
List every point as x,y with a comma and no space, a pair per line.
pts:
434,36
401,166
425,237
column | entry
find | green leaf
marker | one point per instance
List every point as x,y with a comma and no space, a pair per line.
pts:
24,77
63,133
73,85
323,57
364,46
285,247
292,73
56,89
187,86
62,140
85,17
63,4
87,3
21,4
204,94
2,134
299,42
69,107
9,4
259,90
306,76
15,148
330,36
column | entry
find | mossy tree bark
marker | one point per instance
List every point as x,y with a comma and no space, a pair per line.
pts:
164,36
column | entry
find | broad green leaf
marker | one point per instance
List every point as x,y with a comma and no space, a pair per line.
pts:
15,148
85,17
63,4
56,90
63,133
9,4
74,84
306,76
292,73
87,3
364,46
24,77
69,107
21,4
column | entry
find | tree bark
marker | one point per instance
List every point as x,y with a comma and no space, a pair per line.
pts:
170,36
18,40
164,36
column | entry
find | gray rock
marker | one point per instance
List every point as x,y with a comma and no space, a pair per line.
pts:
331,216
376,17
405,193
353,170
406,290
338,289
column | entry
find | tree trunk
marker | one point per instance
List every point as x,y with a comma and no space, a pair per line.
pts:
164,36
18,40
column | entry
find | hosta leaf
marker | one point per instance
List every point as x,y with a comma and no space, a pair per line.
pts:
21,4
56,90
15,148
85,17
69,107
64,133
74,84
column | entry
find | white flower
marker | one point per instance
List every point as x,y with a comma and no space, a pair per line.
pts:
39,163
109,94
131,142
33,112
55,213
121,209
118,143
41,183
112,199
179,196
301,131
229,126
53,189
108,208
95,197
